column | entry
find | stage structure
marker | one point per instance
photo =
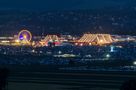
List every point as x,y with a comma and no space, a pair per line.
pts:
94,39
50,40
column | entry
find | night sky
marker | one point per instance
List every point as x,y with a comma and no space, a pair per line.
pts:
63,4
54,5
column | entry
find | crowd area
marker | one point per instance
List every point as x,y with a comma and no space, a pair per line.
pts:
67,54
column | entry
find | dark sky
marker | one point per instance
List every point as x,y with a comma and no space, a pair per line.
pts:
62,4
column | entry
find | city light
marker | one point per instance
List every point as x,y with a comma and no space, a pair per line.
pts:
90,43
5,41
81,44
76,44
101,41
112,49
108,56
17,41
33,51
134,62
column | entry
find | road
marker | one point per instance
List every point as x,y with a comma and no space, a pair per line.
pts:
68,80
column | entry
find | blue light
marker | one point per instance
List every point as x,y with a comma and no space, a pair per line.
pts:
112,49
21,38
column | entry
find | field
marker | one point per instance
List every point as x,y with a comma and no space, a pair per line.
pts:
51,78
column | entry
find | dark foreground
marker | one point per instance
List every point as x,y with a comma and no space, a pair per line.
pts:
52,78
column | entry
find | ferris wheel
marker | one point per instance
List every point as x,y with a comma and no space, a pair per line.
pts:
25,35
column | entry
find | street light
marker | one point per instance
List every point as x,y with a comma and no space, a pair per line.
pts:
134,62
108,56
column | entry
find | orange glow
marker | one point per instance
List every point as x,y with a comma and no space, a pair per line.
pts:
90,43
76,43
101,41
17,41
25,36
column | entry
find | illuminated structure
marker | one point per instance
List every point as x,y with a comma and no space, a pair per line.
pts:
24,37
50,39
94,39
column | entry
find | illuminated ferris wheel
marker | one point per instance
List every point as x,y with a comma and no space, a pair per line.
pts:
25,35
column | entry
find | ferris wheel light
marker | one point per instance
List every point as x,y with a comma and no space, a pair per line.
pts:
21,38
25,35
